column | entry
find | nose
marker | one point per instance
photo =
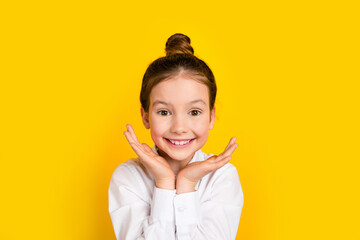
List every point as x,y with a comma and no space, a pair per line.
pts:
179,124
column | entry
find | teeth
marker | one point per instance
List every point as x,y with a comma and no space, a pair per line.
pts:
179,142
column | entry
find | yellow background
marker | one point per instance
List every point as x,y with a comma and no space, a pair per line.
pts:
287,75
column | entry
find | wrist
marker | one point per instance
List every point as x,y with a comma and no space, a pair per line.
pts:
184,186
165,184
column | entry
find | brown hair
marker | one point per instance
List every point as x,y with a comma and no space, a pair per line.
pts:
179,60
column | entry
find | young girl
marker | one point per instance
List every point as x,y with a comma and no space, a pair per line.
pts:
174,190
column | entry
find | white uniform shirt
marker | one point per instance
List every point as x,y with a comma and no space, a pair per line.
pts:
140,210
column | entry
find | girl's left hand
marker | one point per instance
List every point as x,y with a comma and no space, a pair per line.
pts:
189,176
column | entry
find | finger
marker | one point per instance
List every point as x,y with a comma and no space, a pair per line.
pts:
142,150
231,149
131,131
130,140
147,148
222,162
218,164
228,152
129,137
232,140
211,159
137,147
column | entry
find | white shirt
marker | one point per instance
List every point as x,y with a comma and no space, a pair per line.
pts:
140,210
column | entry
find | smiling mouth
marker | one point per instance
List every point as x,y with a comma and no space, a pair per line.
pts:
179,142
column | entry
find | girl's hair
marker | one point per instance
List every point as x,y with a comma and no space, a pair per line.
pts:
179,60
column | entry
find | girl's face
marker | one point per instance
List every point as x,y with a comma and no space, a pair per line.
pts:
179,117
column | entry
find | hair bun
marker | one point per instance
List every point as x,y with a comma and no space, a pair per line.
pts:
178,43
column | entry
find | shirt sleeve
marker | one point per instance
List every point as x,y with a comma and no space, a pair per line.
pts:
134,218
216,218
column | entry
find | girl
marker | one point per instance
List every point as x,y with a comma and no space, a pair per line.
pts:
174,190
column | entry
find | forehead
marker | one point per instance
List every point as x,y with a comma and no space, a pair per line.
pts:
179,90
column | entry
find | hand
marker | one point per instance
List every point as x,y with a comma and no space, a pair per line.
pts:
189,176
157,165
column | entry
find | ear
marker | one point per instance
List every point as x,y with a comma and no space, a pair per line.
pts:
145,118
212,118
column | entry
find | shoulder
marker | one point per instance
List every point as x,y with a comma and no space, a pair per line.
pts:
227,173
129,172
126,185
225,182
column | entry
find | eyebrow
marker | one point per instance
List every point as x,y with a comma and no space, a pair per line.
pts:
167,104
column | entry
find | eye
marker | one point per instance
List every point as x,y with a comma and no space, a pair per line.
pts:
163,113
195,112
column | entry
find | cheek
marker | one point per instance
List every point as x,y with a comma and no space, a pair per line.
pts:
157,126
201,128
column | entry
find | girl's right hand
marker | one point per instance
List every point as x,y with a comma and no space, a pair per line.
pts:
157,165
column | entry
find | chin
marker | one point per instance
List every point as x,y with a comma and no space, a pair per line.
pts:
181,157
178,156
